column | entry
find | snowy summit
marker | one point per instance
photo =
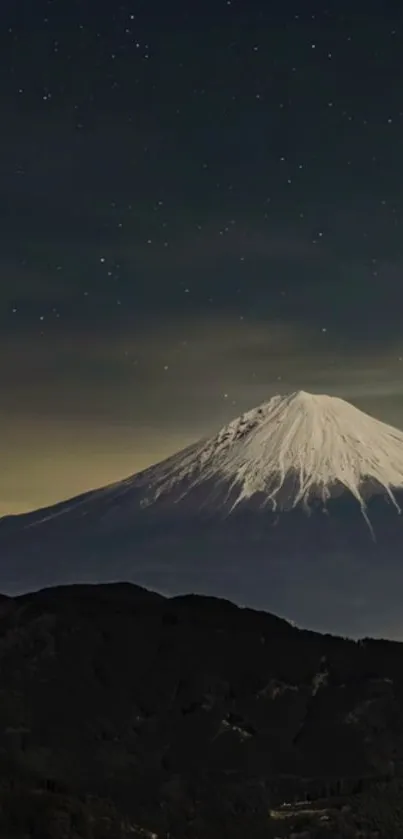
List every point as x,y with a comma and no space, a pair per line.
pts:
218,519
289,450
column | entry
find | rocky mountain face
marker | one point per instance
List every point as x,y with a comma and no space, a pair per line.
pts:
126,713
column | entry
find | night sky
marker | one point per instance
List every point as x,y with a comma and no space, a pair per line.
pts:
201,206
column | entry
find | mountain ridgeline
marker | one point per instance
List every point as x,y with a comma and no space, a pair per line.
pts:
123,713
294,507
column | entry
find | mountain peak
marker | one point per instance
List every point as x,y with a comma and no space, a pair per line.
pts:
217,518
296,447
303,397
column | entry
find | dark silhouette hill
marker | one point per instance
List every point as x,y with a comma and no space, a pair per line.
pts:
126,713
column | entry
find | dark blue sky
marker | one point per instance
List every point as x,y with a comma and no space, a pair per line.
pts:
201,205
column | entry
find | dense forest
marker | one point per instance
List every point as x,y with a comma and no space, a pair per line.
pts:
123,713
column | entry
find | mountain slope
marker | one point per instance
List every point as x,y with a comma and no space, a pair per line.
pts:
321,442
312,446
293,507
192,717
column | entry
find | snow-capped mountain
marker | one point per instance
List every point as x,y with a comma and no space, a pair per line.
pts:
291,450
293,507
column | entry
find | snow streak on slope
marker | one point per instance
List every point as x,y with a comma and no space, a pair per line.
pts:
319,444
